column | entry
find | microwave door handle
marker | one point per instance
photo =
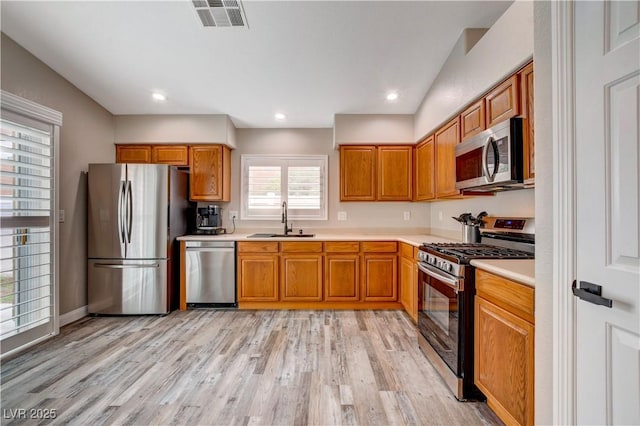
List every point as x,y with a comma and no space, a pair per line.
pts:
496,156
485,165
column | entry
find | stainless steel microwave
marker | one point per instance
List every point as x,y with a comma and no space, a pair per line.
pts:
492,160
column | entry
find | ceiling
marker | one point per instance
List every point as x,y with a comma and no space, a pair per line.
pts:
306,59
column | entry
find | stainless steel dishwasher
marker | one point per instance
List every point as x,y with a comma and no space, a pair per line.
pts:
211,273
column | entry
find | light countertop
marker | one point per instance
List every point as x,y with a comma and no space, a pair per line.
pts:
520,270
413,239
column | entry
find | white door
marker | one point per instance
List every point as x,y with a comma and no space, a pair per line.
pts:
607,64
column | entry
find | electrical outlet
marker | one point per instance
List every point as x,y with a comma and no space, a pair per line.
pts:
407,215
232,214
61,216
342,216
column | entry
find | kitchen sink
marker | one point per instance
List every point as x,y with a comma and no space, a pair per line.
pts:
281,236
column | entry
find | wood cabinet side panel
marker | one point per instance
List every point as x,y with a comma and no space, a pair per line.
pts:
527,112
446,140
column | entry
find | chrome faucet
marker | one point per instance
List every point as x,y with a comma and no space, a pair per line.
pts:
287,229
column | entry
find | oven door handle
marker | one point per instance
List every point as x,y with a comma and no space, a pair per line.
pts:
434,273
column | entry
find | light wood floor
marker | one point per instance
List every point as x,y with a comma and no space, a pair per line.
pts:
236,367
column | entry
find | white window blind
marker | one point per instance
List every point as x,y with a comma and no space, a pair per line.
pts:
268,180
27,227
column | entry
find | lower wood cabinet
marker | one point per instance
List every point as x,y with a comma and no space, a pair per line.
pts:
409,281
301,277
342,277
380,277
257,277
504,347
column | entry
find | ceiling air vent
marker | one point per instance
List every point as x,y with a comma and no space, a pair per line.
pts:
220,13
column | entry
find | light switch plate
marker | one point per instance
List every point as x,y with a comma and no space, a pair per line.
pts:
61,216
407,215
342,216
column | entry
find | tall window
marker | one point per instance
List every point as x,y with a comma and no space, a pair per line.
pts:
268,180
28,134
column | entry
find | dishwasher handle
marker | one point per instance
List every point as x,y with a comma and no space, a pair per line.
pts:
209,249
210,244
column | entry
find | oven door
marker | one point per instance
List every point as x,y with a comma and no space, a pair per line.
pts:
439,302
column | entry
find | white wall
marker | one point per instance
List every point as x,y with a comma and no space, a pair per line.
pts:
86,136
373,129
215,128
506,46
374,216
518,203
544,214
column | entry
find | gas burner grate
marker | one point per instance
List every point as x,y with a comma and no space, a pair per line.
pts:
477,251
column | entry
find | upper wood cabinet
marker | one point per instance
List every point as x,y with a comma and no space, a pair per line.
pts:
502,102
472,120
175,155
424,171
526,111
394,172
358,173
446,139
210,178
133,154
376,172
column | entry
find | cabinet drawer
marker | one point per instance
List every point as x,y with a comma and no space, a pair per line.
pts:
406,250
301,247
257,247
512,296
342,247
379,246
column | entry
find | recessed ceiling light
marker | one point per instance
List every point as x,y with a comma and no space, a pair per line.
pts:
280,116
392,96
158,96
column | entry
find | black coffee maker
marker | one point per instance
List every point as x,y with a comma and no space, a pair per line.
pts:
209,220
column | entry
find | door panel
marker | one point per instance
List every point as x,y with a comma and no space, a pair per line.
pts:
105,232
127,287
146,211
607,187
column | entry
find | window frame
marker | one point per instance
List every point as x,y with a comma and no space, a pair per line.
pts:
282,161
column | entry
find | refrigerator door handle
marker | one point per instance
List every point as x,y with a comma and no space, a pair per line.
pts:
129,197
121,195
120,266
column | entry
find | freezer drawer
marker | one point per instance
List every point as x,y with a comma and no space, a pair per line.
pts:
127,287
210,273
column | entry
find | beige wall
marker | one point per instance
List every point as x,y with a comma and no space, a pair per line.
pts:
215,128
318,141
86,137
372,128
466,75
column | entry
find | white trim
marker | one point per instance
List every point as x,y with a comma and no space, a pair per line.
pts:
564,202
74,315
22,106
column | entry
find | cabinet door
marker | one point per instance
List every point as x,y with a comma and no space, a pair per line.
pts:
446,140
301,277
408,286
342,277
472,120
357,173
424,171
133,154
503,102
380,277
257,278
394,173
504,362
175,155
526,101
210,173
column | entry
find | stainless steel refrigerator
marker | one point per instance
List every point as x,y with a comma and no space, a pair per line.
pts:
135,212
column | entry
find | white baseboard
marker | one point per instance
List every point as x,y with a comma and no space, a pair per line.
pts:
72,316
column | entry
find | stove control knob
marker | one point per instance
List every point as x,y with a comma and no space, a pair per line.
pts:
449,268
434,261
